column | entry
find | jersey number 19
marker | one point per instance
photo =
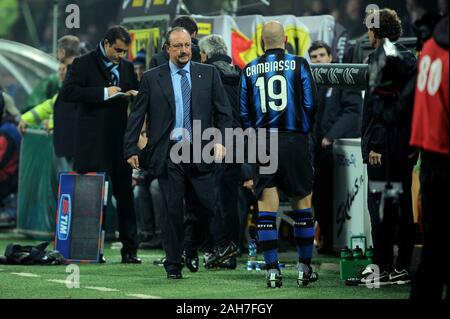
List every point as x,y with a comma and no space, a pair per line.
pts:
278,101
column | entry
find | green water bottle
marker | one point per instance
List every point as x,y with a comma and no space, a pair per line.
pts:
346,254
369,253
358,253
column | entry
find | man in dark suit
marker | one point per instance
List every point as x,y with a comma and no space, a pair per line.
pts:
92,82
338,116
161,58
225,225
174,95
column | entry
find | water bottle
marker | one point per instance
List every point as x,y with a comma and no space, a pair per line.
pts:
346,254
358,253
369,253
251,263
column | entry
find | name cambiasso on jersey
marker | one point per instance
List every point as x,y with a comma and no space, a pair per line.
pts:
277,91
274,66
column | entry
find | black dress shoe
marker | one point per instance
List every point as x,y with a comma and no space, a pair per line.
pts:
131,259
174,274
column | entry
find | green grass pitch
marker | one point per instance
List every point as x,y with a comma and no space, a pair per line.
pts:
114,280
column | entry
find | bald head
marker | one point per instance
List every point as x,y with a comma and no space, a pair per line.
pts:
273,35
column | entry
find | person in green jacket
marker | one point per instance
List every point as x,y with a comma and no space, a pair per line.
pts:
42,114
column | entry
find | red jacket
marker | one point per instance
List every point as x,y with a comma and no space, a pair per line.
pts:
430,125
9,158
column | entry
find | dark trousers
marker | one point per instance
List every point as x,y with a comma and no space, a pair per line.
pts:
196,233
397,220
225,226
159,205
144,211
149,206
323,194
184,183
435,191
123,192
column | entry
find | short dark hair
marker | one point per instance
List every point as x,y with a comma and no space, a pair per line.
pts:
70,44
390,25
186,22
318,45
176,29
118,32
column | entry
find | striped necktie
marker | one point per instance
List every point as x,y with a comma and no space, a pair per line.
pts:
186,94
114,70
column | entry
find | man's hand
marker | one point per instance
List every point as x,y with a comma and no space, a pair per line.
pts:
219,152
113,90
248,184
134,161
374,158
21,127
131,93
326,142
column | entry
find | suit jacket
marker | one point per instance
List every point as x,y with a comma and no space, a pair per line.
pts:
156,99
338,115
375,131
64,127
231,78
100,124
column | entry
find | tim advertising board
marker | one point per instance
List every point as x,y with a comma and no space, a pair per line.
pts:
79,217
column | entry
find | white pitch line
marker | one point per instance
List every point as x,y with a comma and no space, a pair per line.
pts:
59,281
24,274
104,289
141,296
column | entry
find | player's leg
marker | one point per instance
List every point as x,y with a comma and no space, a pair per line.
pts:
303,228
267,234
304,238
298,177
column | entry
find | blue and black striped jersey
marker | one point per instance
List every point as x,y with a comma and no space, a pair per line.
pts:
278,91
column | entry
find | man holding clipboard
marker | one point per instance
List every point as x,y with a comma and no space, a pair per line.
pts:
101,83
